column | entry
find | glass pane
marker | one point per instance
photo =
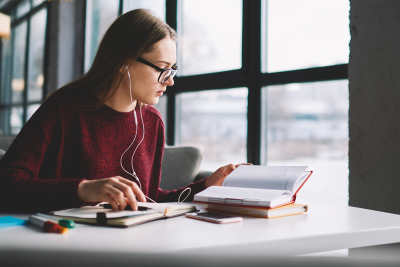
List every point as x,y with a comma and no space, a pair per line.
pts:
209,41
37,2
157,6
5,121
162,107
36,56
18,81
31,110
307,125
12,121
300,34
6,71
99,16
215,121
23,8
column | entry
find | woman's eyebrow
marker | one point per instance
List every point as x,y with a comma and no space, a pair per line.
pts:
166,62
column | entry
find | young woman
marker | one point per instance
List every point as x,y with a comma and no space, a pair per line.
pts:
98,138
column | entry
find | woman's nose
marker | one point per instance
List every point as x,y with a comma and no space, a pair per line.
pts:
170,81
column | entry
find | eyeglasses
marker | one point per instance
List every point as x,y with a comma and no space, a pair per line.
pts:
165,73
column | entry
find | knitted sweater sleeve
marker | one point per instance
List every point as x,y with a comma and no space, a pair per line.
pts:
173,195
27,186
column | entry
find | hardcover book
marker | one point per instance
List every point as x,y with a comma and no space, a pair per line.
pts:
287,210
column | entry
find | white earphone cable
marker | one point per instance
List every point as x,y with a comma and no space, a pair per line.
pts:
133,174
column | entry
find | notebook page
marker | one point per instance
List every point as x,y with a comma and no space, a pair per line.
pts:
90,212
162,206
266,177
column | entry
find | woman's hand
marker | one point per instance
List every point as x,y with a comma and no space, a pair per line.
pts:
219,175
115,190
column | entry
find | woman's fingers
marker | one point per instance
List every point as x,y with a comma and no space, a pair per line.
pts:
120,191
128,194
107,198
237,165
135,188
117,194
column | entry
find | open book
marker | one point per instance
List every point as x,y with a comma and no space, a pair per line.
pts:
257,186
108,217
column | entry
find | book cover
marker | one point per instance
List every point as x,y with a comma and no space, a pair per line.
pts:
287,210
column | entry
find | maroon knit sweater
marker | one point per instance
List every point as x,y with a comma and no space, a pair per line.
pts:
61,145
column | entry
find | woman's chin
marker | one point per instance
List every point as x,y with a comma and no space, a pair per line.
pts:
153,101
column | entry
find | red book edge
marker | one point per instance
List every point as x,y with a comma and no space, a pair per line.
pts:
273,207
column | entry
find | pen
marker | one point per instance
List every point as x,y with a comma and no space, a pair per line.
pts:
65,223
128,207
47,226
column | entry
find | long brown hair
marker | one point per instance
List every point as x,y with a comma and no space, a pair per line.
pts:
129,36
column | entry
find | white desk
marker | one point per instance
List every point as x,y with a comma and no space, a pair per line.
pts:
323,228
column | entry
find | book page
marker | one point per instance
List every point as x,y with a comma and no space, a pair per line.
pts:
247,194
90,212
300,181
162,206
266,177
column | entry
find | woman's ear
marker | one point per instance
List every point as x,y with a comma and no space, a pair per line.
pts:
123,69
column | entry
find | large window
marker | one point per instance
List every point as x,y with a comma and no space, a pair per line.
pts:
22,65
286,70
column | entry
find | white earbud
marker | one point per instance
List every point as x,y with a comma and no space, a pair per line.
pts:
134,112
126,67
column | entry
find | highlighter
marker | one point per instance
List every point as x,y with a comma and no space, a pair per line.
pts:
64,223
47,226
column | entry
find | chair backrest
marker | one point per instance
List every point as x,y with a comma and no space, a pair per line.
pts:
5,141
180,166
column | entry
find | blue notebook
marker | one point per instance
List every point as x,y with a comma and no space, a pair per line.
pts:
7,221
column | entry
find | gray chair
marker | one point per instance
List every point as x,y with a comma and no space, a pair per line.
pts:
180,165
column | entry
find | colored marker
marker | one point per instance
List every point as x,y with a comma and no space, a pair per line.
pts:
64,223
47,226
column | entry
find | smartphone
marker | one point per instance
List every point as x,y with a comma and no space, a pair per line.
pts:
213,217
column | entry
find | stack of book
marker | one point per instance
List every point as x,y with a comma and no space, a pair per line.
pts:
260,191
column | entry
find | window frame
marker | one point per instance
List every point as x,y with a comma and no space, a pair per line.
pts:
10,8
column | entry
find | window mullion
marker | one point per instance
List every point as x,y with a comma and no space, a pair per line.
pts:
171,19
26,67
251,65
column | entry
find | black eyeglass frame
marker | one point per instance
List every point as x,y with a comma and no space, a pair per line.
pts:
173,70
